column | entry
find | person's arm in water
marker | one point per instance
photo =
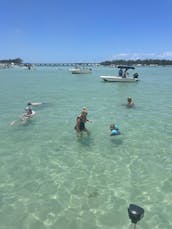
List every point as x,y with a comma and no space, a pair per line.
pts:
36,104
89,120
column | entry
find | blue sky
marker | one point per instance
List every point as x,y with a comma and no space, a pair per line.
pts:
85,30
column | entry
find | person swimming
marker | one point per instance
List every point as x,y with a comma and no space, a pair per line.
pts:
114,129
130,102
28,113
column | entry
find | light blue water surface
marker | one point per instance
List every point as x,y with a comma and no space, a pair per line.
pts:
50,178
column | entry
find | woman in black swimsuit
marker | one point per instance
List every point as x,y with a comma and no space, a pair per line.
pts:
81,120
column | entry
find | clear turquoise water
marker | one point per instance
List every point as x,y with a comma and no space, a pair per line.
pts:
50,178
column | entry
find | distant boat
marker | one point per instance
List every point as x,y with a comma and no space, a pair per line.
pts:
123,75
80,70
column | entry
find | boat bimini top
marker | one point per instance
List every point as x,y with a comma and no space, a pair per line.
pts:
125,67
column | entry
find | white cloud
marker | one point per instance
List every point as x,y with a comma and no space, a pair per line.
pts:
165,55
135,56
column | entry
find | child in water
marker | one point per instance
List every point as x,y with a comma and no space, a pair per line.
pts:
114,129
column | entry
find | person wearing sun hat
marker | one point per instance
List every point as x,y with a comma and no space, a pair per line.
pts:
84,111
81,120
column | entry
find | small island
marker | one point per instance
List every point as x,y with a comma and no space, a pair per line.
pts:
12,62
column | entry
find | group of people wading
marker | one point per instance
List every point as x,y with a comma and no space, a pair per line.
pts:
82,118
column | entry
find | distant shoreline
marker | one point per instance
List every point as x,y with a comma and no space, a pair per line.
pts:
113,63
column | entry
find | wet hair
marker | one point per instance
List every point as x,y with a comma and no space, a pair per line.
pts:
129,99
112,126
29,103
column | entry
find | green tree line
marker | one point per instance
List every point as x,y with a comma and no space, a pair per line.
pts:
9,61
135,62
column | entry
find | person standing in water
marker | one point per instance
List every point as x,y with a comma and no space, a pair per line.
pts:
81,120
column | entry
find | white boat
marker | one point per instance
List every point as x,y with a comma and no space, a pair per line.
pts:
118,79
80,70
123,75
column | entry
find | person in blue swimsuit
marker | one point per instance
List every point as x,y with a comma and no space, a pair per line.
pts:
114,129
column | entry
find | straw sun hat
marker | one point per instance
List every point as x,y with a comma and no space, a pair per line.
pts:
84,110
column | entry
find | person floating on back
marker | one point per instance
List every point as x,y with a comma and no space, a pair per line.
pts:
28,110
29,113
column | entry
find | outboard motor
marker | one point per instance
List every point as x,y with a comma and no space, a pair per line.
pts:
135,213
135,75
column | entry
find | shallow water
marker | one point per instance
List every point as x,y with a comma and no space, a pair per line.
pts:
50,178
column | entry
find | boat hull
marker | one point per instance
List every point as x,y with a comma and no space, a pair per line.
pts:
118,79
80,71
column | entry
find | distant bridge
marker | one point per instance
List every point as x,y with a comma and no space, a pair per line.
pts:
64,64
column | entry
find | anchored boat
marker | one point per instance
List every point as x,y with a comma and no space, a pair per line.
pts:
123,75
80,70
